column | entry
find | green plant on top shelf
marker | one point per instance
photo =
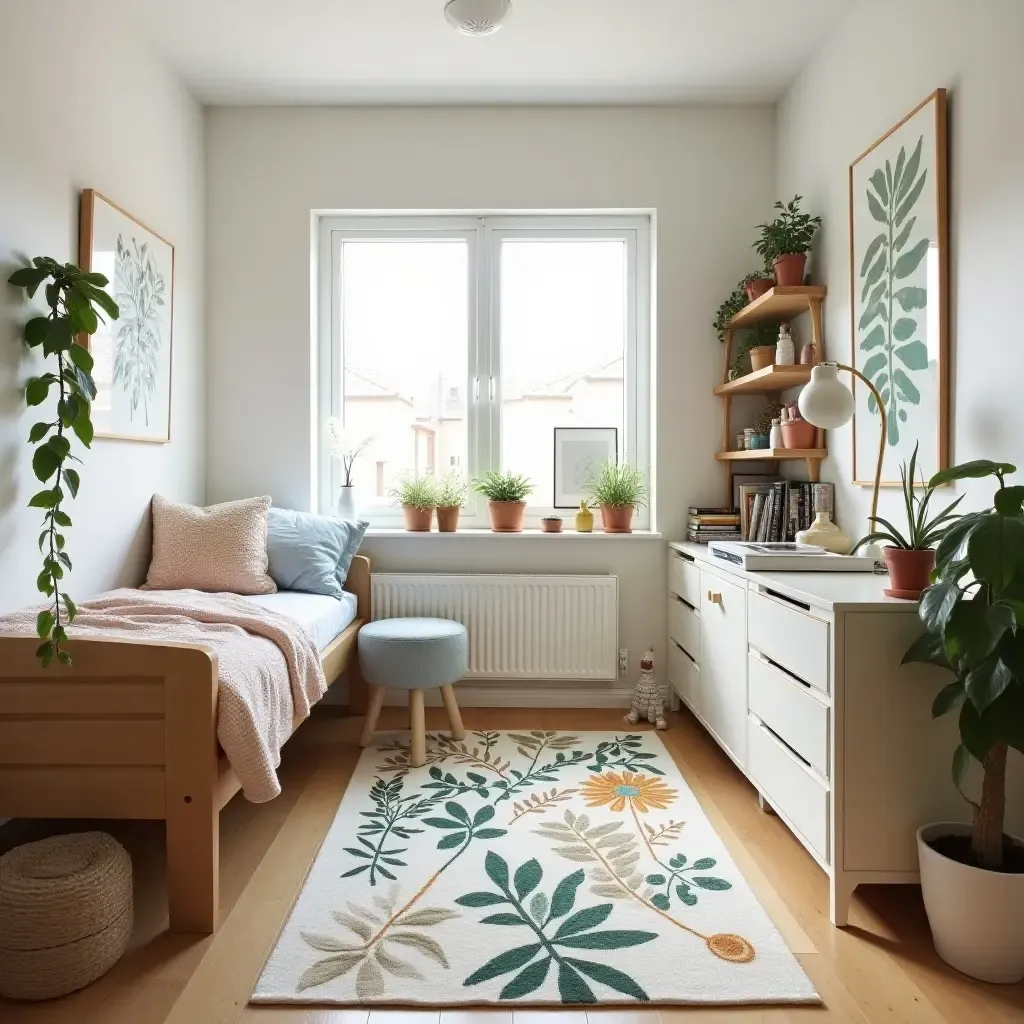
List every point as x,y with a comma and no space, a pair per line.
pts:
504,486
789,234
618,485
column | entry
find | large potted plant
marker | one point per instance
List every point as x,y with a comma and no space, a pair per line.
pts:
910,558
506,495
619,489
785,242
972,876
75,300
417,494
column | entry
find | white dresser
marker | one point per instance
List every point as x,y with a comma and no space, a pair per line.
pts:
798,678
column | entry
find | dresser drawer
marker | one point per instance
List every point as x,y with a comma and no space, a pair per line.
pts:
790,710
683,578
684,626
790,637
684,675
790,786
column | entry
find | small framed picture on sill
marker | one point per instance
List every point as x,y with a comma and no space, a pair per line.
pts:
579,453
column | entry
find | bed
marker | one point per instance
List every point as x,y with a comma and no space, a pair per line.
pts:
130,732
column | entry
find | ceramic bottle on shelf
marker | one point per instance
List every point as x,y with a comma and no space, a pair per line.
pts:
775,437
785,353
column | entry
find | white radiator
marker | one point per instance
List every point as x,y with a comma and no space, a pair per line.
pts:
520,627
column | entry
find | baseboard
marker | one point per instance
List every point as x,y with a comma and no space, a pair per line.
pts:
509,694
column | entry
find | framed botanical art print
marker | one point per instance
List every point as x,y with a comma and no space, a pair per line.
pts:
899,293
579,452
133,353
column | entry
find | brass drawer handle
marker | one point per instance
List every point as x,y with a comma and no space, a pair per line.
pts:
715,598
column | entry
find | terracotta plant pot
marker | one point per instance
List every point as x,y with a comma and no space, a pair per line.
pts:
762,356
798,434
448,518
507,516
908,572
755,289
789,269
551,524
617,518
417,520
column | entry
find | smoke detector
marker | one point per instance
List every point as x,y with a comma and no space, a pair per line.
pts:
477,17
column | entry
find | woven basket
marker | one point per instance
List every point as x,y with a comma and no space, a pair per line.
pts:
65,913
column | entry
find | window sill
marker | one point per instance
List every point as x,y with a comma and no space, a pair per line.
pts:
482,533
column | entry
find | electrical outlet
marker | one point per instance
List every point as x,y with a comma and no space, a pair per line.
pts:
623,660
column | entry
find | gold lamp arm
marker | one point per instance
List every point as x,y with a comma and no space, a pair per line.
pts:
881,441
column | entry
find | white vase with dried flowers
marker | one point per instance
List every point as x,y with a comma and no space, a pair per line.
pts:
346,449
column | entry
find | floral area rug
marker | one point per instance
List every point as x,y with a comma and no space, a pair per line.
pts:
526,868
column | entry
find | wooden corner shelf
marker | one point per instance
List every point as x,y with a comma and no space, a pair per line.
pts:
812,456
767,381
783,302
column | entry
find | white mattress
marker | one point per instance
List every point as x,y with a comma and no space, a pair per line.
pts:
322,617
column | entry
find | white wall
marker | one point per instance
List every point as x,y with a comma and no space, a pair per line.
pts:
86,103
707,172
878,64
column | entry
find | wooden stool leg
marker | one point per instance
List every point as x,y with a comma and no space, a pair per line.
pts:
418,749
451,706
377,695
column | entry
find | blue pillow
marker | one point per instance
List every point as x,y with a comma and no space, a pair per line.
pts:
311,553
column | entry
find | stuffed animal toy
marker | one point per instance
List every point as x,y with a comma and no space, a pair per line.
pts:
646,702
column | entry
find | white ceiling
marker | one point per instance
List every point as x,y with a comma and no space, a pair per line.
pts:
549,51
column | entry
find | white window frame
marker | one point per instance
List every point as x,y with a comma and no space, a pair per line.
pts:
484,235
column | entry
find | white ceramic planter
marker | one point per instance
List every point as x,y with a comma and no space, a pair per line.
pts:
346,506
976,916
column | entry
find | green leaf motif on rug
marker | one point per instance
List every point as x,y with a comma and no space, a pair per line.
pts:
533,961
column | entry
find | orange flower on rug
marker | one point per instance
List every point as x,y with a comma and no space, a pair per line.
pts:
613,789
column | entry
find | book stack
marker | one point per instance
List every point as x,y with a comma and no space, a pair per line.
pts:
778,509
708,524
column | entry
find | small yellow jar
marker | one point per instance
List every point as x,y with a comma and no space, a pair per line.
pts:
584,519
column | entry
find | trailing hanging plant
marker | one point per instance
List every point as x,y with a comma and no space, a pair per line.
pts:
73,297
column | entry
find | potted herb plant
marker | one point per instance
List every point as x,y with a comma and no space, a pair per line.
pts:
506,494
619,489
972,876
911,558
417,494
451,496
756,284
784,243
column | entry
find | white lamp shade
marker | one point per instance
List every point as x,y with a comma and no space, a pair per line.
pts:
477,17
826,401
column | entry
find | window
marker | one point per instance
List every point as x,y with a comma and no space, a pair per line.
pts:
459,343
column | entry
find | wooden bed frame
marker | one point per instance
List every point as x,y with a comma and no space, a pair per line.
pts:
131,732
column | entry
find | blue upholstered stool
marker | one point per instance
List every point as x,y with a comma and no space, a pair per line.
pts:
413,654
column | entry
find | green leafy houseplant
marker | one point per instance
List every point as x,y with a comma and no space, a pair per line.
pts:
790,234
976,630
619,489
506,494
506,486
415,490
451,490
73,297
922,533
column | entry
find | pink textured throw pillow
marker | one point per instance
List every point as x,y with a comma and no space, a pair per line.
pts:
222,548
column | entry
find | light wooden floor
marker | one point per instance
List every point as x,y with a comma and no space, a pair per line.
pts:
880,969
